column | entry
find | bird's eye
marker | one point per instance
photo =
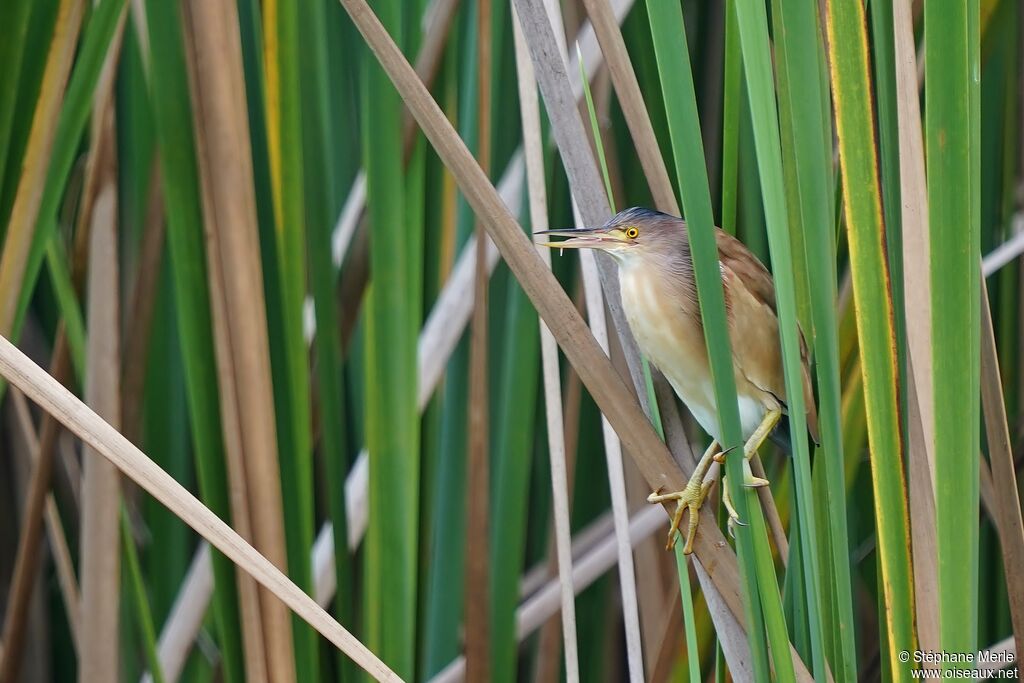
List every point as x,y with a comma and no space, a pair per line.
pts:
632,233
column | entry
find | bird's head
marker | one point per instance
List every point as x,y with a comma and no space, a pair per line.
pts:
632,237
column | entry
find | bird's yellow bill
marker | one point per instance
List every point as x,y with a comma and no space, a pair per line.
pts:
582,238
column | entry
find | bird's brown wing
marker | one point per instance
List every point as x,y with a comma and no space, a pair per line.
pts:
750,298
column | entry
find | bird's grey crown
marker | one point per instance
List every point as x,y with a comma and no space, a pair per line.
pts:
637,213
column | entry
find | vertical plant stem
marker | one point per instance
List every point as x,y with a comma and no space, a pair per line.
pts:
321,170
179,173
392,422
284,135
478,613
100,551
808,129
951,81
533,150
236,292
875,334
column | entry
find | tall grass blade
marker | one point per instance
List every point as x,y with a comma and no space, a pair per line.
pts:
392,423
14,16
241,343
26,563
52,142
810,134
951,85
284,135
875,333
321,171
138,595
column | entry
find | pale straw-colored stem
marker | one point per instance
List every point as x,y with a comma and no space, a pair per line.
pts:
533,147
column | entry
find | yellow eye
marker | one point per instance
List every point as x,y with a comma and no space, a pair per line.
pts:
632,233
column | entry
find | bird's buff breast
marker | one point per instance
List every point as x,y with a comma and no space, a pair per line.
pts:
669,336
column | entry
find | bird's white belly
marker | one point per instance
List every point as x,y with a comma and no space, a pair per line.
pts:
674,343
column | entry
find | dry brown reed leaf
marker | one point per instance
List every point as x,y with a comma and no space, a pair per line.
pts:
917,306
216,79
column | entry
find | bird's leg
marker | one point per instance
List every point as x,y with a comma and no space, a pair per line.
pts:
768,423
750,448
690,498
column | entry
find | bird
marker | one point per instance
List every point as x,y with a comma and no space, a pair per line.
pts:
659,300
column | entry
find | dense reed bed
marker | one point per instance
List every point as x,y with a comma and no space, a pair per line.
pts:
290,394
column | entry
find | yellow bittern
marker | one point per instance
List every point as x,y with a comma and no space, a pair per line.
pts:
659,298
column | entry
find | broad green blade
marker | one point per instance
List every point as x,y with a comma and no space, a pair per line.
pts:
78,101
874,318
321,208
391,417
952,154
806,137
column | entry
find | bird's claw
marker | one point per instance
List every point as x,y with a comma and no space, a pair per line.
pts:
719,457
734,517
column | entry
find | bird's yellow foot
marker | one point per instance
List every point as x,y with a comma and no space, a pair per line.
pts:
690,498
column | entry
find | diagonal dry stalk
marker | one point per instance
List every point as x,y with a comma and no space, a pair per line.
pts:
551,302
1004,476
214,57
53,398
